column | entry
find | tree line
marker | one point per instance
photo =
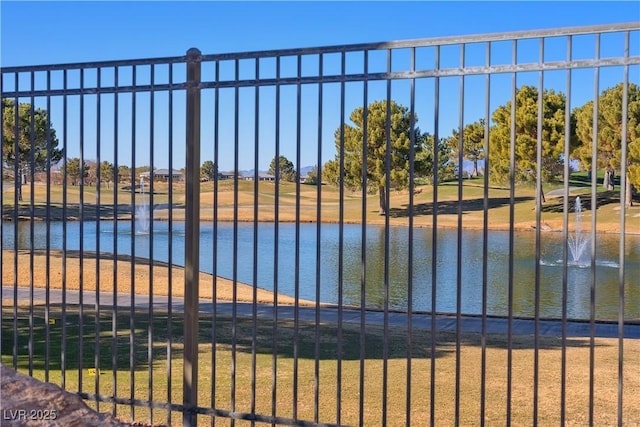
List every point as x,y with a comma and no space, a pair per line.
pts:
409,146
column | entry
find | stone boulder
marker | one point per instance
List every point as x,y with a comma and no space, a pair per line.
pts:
25,401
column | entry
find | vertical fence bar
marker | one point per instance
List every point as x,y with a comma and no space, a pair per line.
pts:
17,193
316,391
565,234
565,240
81,252
412,144
434,241
114,307
151,239
296,303
512,173
623,210
65,152
276,238
32,188
214,299
132,277
363,242
539,200
47,314
593,207
485,239
96,355
459,239
170,247
387,193
236,168
256,189
192,238
340,342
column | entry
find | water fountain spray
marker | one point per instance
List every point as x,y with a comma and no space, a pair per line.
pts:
142,212
579,240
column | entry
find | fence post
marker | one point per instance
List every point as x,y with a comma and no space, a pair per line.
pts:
192,238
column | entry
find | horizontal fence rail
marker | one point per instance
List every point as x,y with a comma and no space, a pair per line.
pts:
207,239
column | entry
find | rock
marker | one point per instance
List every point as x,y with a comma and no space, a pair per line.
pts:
25,401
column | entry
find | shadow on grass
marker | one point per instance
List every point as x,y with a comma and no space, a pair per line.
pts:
451,206
90,211
555,205
307,341
582,179
76,340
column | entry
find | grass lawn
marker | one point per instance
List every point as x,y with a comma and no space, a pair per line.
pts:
150,380
448,206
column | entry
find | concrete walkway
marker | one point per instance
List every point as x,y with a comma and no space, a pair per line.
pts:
560,191
497,325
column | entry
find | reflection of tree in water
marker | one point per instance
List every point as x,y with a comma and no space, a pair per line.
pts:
24,235
398,272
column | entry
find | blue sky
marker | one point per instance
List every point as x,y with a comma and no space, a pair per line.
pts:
61,32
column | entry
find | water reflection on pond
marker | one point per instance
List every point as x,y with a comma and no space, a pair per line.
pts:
448,274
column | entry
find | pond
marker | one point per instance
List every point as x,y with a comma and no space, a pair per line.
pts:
321,275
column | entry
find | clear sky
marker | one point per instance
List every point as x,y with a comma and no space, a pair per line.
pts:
61,32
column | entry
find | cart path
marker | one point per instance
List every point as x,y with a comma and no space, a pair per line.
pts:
494,325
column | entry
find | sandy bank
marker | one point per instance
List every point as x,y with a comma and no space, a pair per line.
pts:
106,273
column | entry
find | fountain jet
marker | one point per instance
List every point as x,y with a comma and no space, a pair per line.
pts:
142,213
579,240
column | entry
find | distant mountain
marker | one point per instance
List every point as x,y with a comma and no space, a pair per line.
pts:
305,170
249,172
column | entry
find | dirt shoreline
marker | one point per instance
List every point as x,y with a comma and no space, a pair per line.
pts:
86,273
553,225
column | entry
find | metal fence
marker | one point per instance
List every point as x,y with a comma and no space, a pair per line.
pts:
410,293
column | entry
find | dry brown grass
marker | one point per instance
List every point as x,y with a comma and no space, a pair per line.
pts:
123,277
291,345
524,218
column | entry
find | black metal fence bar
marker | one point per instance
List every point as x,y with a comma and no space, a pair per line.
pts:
48,240
31,230
339,338
241,89
256,189
132,244
592,246
65,119
461,105
485,242
363,259
150,331
276,251
96,356
170,245
623,229
512,195
316,385
565,245
538,172
434,242
192,239
114,310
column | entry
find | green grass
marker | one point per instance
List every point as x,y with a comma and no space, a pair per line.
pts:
311,342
